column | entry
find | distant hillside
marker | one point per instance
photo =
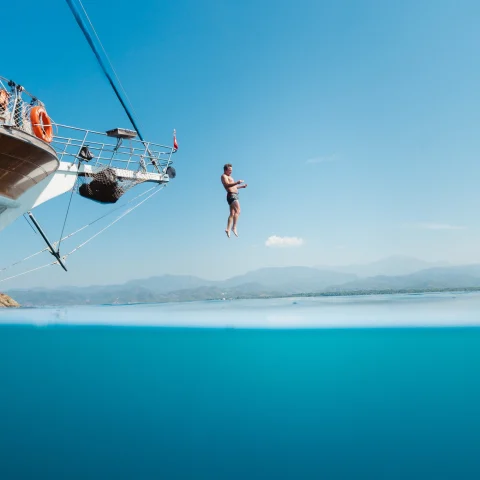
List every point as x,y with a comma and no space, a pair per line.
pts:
170,283
291,279
265,282
441,277
391,266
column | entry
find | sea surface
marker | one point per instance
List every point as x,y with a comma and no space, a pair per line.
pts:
373,387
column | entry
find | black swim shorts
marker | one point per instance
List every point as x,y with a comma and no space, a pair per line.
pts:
232,197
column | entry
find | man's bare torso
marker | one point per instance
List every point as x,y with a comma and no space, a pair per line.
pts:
226,179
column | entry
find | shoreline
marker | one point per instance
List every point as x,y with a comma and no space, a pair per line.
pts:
349,293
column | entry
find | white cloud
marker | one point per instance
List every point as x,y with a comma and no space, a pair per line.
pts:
330,158
438,226
275,241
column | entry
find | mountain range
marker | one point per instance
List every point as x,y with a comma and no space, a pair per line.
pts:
391,274
390,266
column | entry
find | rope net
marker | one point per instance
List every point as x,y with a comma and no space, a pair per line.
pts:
105,186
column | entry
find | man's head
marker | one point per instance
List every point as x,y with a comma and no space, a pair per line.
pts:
227,168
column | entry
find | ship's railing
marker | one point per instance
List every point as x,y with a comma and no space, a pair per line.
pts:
118,148
113,148
14,109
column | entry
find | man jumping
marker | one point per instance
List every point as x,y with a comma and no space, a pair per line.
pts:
232,198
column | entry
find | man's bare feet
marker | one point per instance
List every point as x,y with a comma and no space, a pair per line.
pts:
235,232
228,233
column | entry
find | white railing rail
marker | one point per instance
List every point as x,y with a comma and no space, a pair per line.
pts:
114,151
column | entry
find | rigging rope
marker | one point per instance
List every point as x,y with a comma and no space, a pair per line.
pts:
28,271
115,221
23,260
106,56
105,71
83,228
68,209
26,219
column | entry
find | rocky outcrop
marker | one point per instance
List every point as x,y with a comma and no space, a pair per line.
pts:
6,301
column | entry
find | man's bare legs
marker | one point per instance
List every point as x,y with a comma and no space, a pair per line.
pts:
236,214
232,219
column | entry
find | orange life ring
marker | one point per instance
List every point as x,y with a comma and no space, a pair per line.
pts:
41,124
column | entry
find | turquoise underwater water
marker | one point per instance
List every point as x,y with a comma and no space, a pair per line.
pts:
201,403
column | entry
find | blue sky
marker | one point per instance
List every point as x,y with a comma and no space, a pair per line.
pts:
355,125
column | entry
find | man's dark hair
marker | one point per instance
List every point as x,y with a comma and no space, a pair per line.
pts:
226,166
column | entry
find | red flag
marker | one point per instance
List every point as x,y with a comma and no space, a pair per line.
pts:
175,144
